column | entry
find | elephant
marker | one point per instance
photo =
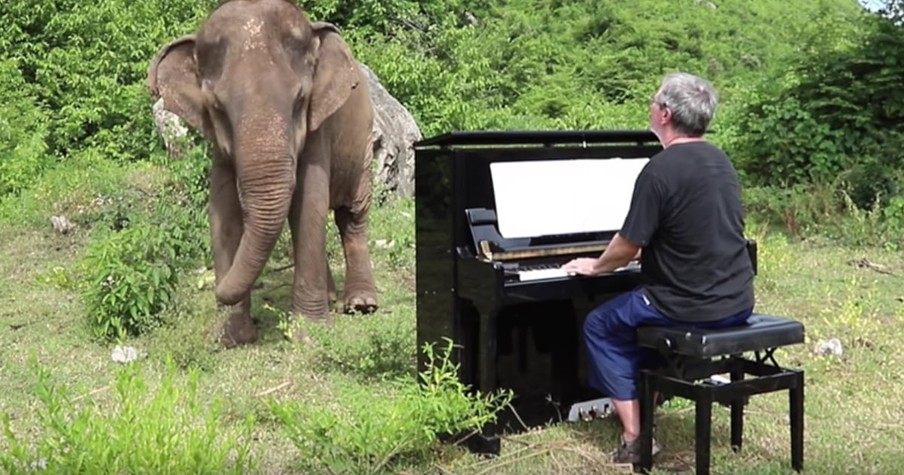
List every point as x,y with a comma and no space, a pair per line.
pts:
287,111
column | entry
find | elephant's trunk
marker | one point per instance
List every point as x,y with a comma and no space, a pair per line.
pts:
266,190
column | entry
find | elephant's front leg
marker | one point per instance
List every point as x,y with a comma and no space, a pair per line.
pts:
226,227
360,291
307,218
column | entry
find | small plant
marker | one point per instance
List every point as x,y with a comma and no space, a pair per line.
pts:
851,316
364,432
774,260
131,280
370,347
166,430
133,270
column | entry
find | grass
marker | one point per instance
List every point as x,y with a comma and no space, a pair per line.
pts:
853,402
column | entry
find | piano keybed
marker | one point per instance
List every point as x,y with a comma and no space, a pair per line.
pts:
525,272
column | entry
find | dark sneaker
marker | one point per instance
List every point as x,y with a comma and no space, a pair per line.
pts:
629,452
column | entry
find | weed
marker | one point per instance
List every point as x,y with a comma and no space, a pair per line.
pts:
368,346
167,430
363,432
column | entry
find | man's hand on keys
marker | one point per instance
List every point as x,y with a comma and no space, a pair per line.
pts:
581,265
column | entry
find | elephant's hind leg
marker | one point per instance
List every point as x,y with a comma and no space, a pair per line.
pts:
360,291
226,232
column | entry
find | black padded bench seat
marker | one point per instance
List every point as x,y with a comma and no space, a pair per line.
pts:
761,331
693,355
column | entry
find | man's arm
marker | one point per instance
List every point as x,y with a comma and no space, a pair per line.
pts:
618,253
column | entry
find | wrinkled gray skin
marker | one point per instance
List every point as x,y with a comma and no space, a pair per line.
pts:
288,111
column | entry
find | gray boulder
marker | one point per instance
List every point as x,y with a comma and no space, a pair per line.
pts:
395,132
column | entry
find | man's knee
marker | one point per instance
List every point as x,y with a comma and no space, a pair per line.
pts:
594,326
610,318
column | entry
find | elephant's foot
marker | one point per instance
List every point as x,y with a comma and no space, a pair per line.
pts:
361,302
238,330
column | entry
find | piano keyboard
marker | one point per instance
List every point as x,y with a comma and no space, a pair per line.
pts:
554,271
538,274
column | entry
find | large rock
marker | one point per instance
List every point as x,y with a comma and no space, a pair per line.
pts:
395,131
172,130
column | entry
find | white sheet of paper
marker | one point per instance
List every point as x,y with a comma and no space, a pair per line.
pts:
547,197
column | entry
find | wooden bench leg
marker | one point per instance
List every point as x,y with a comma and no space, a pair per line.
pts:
703,430
796,407
737,415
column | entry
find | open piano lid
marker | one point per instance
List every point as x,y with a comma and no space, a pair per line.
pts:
500,227
542,137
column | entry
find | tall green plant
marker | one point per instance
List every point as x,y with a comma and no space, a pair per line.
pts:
169,428
363,432
23,129
133,272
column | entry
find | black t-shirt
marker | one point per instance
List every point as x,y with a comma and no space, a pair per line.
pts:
686,213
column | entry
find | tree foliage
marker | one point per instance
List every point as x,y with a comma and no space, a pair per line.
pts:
838,112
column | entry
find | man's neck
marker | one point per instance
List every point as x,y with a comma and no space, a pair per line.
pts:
679,139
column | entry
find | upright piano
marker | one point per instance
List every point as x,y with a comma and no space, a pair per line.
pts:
477,282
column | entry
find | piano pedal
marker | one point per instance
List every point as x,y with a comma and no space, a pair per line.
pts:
587,411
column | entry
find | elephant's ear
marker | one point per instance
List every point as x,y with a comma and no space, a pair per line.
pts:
336,75
173,76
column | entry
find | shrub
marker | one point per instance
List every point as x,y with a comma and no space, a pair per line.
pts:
133,270
170,429
364,432
834,113
23,129
369,347
86,62
132,278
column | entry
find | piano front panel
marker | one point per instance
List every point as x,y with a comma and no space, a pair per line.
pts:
436,262
526,336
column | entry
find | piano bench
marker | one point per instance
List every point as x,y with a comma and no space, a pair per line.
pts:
694,356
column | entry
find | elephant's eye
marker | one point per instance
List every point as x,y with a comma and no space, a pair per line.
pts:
299,100
212,99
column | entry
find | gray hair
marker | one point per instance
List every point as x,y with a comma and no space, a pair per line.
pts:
691,99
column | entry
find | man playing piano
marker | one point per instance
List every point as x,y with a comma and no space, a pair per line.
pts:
686,217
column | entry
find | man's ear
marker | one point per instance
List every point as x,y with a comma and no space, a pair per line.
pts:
173,76
335,77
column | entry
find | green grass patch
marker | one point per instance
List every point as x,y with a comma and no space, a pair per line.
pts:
169,428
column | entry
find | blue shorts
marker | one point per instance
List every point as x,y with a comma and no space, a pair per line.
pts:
610,333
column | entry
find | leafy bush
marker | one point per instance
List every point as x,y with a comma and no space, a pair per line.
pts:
133,271
170,429
23,129
132,279
363,432
835,113
86,63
